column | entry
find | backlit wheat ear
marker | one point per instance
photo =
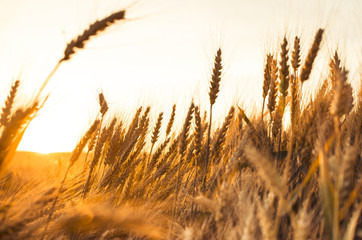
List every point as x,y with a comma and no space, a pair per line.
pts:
198,131
84,140
155,133
185,130
92,30
214,90
6,110
103,104
267,75
171,121
143,126
296,54
273,86
308,65
294,83
267,78
284,74
342,90
215,78
342,99
221,137
156,129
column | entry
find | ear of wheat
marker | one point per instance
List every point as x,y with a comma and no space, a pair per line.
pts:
308,65
92,30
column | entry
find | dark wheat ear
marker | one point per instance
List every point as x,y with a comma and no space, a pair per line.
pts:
308,65
103,104
296,54
267,79
185,130
198,131
216,78
267,75
156,129
273,86
171,121
92,30
284,69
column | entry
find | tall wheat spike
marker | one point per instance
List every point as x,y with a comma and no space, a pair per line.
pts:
283,75
214,90
295,82
308,64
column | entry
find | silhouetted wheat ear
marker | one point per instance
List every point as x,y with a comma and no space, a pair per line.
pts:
273,86
294,83
103,104
296,54
92,30
171,121
215,78
6,110
284,69
185,130
198,131
144,122
308,65
267,75
156,129
295,98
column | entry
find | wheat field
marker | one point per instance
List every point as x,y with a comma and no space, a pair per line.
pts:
251,177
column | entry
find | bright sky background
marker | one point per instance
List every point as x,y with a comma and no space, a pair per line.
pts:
161,55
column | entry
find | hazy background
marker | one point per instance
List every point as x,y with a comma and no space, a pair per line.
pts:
161,55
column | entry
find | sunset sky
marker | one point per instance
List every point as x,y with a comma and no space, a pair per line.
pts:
161,55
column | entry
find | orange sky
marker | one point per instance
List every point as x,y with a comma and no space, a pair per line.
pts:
161,55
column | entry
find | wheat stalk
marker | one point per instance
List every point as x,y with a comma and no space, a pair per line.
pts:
214,90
